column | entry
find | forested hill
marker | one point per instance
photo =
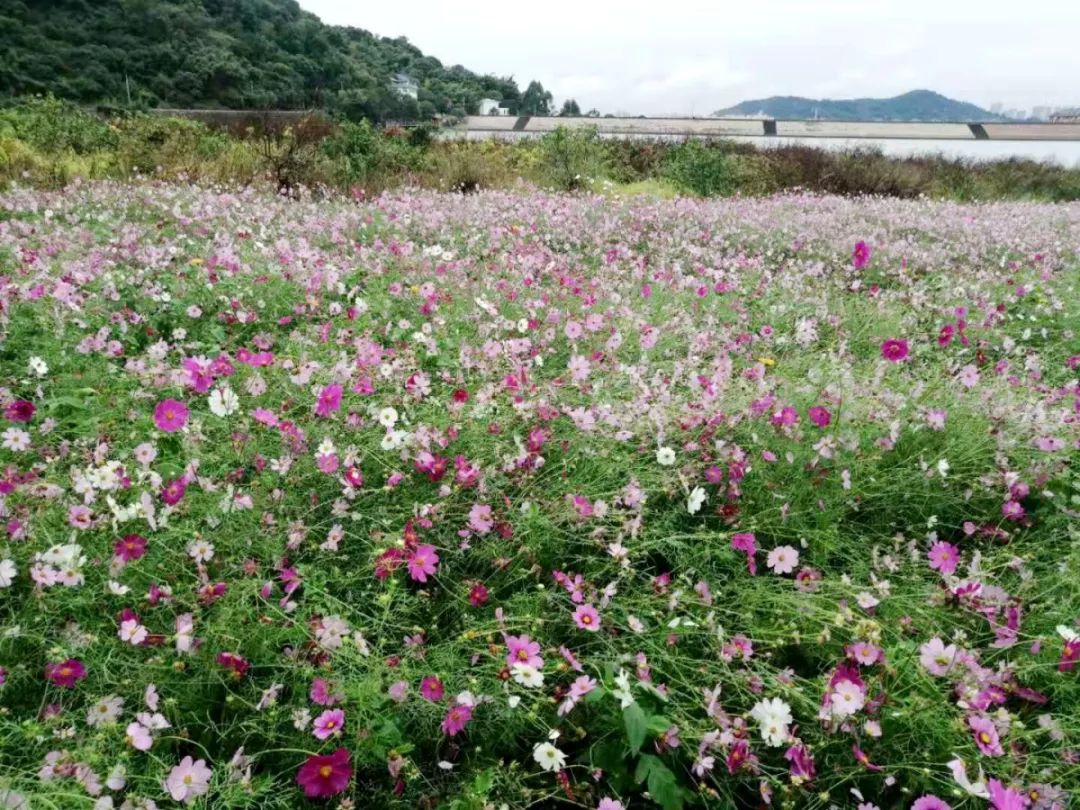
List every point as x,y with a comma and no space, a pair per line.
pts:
918,105
223,53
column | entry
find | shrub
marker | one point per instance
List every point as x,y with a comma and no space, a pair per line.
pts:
702,168
571,159
53,126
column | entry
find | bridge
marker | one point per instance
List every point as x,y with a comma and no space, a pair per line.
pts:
479,126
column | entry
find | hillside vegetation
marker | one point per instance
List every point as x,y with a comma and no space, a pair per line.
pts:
238,54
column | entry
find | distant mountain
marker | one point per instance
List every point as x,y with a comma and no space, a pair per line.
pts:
918,105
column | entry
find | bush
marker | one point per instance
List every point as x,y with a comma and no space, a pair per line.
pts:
702,168
571,159
52,126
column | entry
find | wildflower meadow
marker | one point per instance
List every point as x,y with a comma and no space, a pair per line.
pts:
528,500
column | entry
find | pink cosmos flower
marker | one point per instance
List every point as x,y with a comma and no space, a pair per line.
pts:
523,650
944,557
586,618
422,562
173,492
170,415
860,256
1005,798
480,520
138,737
322,694
746,542
328,724
894,350
1012,510
782,559
431,688
986,736
65,674
936,657
188,780
325,775
929,802
820,416
329,400
456,719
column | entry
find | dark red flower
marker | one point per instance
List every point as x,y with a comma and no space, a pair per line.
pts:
20,410
323,776
65,674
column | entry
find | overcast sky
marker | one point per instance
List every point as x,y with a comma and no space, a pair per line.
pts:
695,56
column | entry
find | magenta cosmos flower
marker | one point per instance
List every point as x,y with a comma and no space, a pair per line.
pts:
325,775
820,416
1005,798
456,719
747,543
860,256
65,674
173,492
586,618
329,400
431,688
894,350
130,547
170,415
20,410
424,561
944,557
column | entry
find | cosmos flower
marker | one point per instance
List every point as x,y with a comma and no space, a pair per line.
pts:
323,776
170,415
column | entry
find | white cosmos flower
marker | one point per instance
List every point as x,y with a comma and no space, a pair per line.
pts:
526,675
696,499
7,573
200,550
388,417
223,402
549,757
38,367
774,716
132,632
665,456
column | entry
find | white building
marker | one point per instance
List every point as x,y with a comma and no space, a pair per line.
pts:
405,85
490,106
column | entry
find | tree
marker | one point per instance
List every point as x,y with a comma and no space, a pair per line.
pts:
536,100
570,108
593,113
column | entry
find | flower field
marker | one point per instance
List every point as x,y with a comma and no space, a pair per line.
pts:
526,500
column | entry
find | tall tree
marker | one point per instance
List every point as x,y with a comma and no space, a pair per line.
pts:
570,107
536,100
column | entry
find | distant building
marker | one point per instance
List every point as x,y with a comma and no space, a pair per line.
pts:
1066,115
997,107
492,106
1041,113
405,85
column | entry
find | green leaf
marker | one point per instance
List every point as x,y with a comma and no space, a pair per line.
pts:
484,782
664,788
645,766
636,726
658,724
